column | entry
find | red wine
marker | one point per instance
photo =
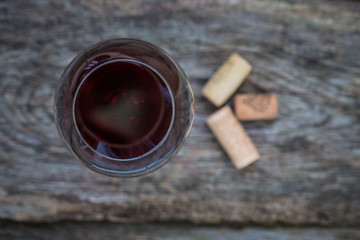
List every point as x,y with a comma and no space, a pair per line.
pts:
123,109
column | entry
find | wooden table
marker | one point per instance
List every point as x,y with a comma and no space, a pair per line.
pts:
308,52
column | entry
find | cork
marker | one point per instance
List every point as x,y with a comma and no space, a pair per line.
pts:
232,137
227,79
250,107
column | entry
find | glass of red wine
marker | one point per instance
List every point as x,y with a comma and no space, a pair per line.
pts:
124,107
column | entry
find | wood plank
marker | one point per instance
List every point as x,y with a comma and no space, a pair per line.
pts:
306,52
101,231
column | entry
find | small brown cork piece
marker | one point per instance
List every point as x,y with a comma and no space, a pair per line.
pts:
228,78
232,137
250,107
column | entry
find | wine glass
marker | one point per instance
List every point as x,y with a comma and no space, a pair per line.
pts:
123,107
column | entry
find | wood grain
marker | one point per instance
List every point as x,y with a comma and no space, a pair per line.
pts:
307,52
101,231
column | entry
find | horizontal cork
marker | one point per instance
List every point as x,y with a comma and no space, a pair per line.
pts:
228,78
249,107
232,137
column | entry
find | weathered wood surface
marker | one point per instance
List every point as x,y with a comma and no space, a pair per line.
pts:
101,231
307,52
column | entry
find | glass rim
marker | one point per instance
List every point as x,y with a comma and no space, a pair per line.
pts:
182,118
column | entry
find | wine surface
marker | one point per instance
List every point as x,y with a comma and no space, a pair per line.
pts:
123,109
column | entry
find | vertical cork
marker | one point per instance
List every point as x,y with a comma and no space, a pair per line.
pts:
228,78
232,137
250,107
